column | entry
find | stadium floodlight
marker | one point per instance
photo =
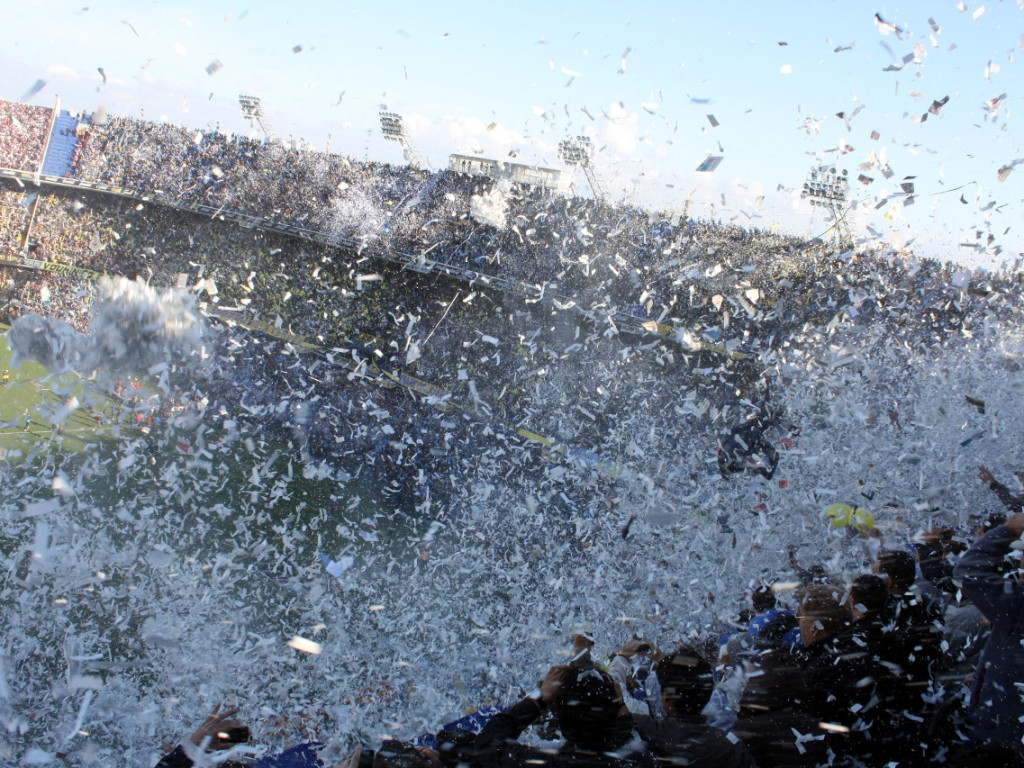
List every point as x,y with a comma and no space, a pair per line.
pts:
393,130
579,152
252,107
252,110
391,126
828,189
575,151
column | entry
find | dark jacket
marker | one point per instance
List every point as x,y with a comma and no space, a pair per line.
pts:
678,743
893,724
842,680
772,720
497,745
996,707
175,759
919,621
840,676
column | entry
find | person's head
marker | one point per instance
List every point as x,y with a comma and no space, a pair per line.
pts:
587,705
816,574
821,614
763,599
867,595
774,632
454,747
898,568
686,682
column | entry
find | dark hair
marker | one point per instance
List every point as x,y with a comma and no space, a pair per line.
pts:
898,566
868,593
993,521
815,574
771,634
587,707
454,746
686,680
763,599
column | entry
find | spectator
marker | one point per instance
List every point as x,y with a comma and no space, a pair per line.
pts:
909,612
772,718
996,709
596,725
840,676
933,552
814,574
219,731
630,669
683,737
964,630
1012,502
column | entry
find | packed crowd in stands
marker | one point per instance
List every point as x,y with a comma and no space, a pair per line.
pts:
14,207
607,257
616,256
912,660
64,297
547,239
23,133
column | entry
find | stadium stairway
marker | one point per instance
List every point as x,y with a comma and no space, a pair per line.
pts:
63,143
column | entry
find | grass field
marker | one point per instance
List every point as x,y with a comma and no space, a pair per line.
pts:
29,406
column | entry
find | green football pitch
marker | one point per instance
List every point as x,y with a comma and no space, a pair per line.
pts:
30,401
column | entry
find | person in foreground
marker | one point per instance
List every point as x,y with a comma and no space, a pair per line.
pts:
996,707
219,731
683,737
596,725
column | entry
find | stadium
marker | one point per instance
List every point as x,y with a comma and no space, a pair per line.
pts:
513,412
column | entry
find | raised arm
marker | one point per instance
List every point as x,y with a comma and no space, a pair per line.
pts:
982,575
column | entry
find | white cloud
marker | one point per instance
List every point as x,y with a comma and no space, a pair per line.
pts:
62,70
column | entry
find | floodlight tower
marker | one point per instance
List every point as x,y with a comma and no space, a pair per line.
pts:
827,189
577,152
393,130
252,110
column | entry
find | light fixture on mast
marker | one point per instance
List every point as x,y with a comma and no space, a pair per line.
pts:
393,130
578,152
252,110
828,189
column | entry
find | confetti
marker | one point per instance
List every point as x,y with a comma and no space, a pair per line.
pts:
710,164
304,645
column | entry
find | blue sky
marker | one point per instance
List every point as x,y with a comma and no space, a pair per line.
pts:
639,78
